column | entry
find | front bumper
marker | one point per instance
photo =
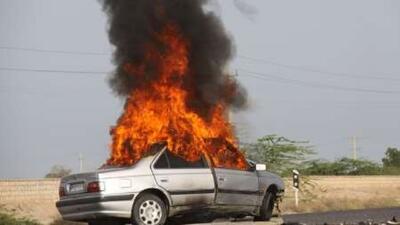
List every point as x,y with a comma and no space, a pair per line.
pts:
89,208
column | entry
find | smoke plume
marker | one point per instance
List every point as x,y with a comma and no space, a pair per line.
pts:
246,9
133,24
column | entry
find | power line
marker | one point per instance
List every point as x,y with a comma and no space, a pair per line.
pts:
51,71
54,51
329,73
274,78
263,76
340,74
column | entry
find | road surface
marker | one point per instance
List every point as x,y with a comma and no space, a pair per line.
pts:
346,217
337,217
245,221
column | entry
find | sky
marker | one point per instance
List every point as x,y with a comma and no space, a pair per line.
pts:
317,71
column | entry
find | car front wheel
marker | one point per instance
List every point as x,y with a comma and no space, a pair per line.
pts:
267,207
149,210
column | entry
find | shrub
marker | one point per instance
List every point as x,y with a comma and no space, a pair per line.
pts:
344,166
58,171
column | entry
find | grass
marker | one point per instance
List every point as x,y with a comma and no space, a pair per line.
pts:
9,219
344,193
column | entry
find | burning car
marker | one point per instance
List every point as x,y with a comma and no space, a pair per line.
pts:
171,71
162,185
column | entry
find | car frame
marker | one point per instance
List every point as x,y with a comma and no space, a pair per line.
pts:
161,185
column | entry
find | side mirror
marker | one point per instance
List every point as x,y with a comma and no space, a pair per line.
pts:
261,167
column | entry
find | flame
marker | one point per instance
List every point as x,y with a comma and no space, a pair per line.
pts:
157,112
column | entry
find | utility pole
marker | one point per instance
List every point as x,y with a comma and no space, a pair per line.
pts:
354,146
80,163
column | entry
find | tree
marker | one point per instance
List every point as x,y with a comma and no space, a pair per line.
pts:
392,158
58,171
280,154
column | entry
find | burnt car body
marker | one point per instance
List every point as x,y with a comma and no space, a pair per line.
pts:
163,185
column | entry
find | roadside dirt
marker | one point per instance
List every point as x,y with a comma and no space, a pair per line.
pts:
328,193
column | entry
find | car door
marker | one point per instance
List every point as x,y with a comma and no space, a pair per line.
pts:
188,183
236,187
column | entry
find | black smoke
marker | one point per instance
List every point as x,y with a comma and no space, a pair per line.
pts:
134,23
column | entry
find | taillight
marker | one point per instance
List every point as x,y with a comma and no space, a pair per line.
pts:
95,186
61,191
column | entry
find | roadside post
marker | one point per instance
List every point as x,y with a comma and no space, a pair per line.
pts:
296,186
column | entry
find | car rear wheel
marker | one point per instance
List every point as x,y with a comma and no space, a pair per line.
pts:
267,207
149,210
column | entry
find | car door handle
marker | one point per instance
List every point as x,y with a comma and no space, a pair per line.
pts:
221,178
164,180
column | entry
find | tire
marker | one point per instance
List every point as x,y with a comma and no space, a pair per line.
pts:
267,207
149,210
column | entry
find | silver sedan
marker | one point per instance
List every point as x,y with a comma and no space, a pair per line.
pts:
163,185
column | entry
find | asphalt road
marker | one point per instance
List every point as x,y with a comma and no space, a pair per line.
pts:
345,217
245,221
376,216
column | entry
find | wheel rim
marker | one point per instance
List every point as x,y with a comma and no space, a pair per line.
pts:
150,212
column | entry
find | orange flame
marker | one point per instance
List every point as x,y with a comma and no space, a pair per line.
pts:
157,112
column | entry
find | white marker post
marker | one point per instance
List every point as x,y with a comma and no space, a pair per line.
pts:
296,186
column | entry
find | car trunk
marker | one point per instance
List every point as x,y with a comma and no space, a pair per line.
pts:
77,184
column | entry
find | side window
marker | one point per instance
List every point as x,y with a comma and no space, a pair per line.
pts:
250,166
177,162
162,162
